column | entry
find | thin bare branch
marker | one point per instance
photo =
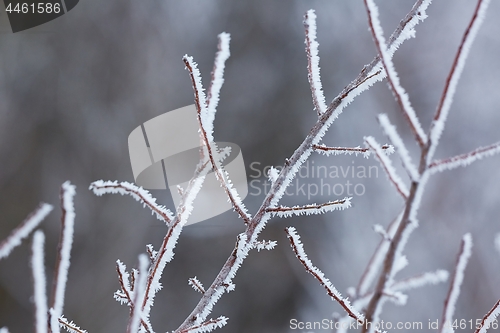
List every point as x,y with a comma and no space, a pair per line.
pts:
24,229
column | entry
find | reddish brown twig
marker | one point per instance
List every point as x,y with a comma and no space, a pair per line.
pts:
489,318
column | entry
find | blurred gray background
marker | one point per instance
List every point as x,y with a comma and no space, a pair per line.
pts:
73,89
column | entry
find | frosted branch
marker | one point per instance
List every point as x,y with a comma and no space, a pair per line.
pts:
207,326
123,295
418,281
387,166
392,76
437,125
392,134
210,145
388,149
456,283
377,259
166,252
370,74
196,285
40,282
24,229
216,82
283,211
101,187
139,295
464,160
70,326
489,318
298,249
313,70
265,245
63,255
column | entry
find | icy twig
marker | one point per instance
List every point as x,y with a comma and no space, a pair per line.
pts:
457,67
283,211
388,149
70,326
206,122
207,326
489,318
298,249
456,283
125,294
63,254
196,284
40,282
370,74
377,258
217,81
387,166
392,76
24,229
464,160
420,280
265,245
101,187
392,134
313,70
166,252
139,295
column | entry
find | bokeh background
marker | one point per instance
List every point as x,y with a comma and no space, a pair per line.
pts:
73,89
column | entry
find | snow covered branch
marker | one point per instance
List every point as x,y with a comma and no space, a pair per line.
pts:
24,229
489,318
370,74
298,249
313,71
466,159
437,125
101,187
392,76
63,255
70,326
392,134
388,149
283,211
456,283
387,166
196,284
40,282
139,295
206,116
207,326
